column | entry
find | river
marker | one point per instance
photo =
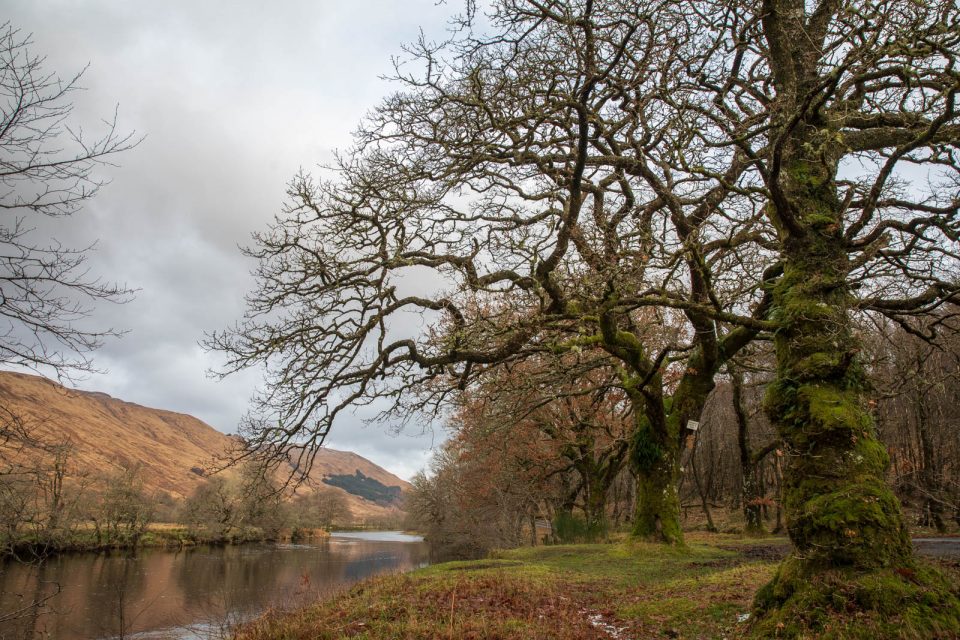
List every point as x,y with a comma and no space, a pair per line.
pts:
194,593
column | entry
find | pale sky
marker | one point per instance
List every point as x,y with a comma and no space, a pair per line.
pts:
233,98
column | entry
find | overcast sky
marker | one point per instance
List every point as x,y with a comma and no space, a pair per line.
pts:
233,98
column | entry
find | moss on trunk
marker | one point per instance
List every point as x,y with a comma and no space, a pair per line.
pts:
851,546
917,603
655,453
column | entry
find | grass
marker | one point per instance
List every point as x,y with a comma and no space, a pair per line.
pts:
572,592
619,590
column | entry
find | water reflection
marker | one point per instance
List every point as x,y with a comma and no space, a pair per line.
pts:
191,593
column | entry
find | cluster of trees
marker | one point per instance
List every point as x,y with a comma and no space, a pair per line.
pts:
534,444
658,188
48,501
255,506
367,488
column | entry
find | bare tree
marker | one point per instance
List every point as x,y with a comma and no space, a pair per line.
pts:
847,111
48,167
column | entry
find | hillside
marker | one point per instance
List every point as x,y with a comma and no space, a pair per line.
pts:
171,448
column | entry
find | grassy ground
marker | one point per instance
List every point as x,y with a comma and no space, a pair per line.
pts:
621,590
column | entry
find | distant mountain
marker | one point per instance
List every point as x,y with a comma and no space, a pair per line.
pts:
174,450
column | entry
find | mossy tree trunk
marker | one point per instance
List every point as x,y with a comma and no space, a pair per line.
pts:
840,513
661,424
655,453
852,551
839,509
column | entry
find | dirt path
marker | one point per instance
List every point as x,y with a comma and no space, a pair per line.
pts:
930,547
938,547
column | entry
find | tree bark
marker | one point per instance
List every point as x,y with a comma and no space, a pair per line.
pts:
932,513
840,511
656,457
844,521
704,504
749,466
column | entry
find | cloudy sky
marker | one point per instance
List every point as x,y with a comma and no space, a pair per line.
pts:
233,98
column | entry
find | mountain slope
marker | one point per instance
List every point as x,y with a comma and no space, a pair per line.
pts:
172,448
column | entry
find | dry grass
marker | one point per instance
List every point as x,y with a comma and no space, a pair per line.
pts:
623,590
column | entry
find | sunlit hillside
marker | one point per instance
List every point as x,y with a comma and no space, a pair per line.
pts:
174,451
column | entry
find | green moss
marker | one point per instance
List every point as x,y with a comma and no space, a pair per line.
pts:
858,524
800,309
868,454
645,451
823,365
902,602
828,408
658,506
654,456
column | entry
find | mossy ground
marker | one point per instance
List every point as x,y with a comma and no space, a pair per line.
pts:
618,590
918,603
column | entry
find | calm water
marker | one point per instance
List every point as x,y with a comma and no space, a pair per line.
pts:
192,593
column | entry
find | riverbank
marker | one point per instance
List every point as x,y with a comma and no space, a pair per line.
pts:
156,536
571,592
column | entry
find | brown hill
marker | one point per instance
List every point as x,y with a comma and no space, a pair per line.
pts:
171,448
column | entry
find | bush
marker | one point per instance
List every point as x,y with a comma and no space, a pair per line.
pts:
568,528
